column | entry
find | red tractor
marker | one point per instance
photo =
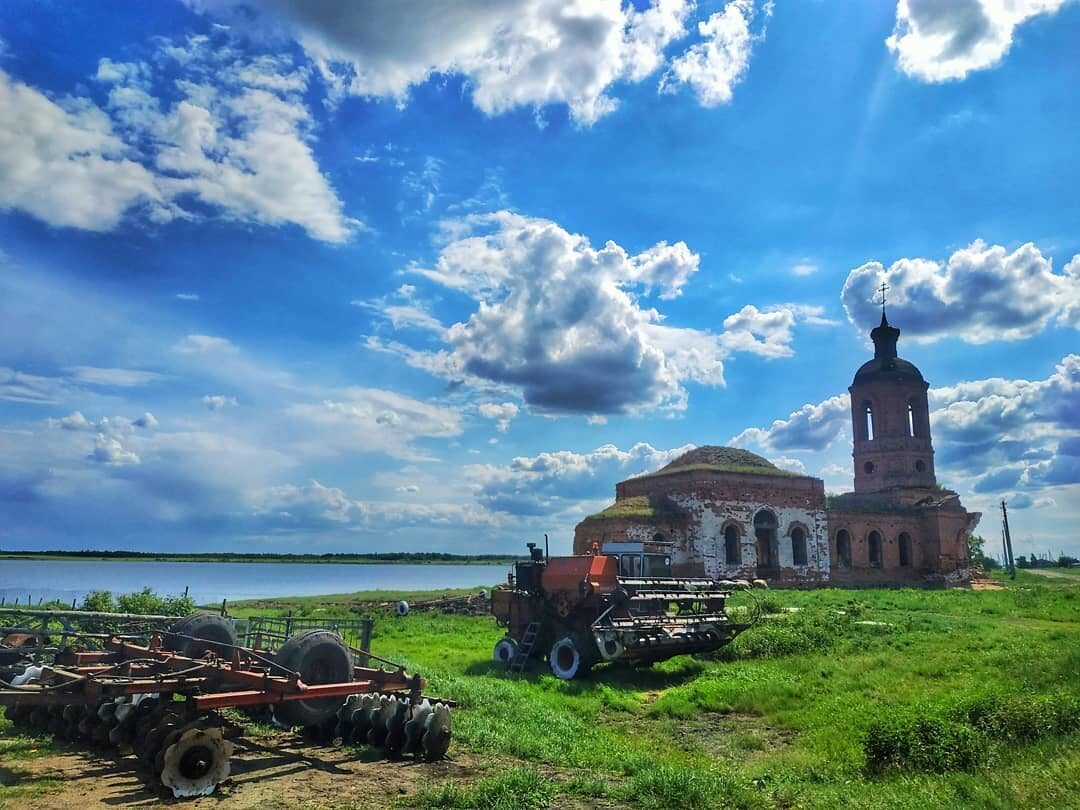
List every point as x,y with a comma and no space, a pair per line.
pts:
619,603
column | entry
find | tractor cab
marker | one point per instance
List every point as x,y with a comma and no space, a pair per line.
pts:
648,560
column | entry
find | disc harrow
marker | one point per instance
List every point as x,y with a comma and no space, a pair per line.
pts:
164,707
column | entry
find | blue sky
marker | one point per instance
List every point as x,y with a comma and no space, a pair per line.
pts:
409,277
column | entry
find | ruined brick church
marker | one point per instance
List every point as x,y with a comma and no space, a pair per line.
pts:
733,514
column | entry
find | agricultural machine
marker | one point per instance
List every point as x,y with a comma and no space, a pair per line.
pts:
618,603
162,700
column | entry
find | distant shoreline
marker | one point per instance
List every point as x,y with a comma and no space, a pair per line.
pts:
390,558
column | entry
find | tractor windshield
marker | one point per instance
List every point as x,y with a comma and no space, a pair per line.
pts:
657,565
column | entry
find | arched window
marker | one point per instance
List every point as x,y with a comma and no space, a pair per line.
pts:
798,546
732,550
904,541
658,537
843,548
911,420
765,534
868,416
873,540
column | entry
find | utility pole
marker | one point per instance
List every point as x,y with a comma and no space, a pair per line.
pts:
1008,540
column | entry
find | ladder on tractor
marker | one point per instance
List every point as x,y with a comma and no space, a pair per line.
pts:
524,649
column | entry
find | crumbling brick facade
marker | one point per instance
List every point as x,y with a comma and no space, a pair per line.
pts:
733,514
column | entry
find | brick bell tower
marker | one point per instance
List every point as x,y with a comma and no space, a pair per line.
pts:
890,419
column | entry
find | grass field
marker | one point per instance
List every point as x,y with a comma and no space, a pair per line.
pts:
870,698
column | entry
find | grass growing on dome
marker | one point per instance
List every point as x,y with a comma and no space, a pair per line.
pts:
637,506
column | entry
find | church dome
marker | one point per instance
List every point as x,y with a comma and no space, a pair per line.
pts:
722,459
886,361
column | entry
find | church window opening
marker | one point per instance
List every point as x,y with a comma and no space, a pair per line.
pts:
732,552
874,542
911,420
798,546
920,466
868,467
904,541
765,525
843,548
868,415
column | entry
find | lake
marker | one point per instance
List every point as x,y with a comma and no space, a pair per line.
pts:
212,582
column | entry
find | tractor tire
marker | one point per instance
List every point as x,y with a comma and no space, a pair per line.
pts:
200,633
568,658
320,656
505,650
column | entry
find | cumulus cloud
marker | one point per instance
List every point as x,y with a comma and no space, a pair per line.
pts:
562,324
307,506
554,482
512,53
109,450
804,267
502,414
982,293
219,402
713,66
238,142
62,162
943,40
812,427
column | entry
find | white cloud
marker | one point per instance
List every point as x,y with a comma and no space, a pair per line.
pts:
811,427
219,402
715,65
804,267
554,482
563,325
374,420
503,414
62,162
109,450
238,141
187,296
403,310
943,40
512,53
115,377
981,294
18,386
203,344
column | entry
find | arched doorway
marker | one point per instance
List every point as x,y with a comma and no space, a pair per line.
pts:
768,552
904,542
843,548
873,540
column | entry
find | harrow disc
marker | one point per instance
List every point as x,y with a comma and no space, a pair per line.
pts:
196,761
436,739
414,729
395,728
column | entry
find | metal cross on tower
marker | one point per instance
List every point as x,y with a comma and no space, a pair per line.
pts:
882,290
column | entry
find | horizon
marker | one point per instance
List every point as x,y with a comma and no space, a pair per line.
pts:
397,284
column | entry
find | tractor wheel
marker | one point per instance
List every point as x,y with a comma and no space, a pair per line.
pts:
202,632
505,650
566,659
320,656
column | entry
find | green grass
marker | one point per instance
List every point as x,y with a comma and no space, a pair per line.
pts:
861,698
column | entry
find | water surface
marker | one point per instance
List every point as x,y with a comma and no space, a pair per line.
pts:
213,581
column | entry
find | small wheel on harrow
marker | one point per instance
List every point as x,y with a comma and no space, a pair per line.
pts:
199,633
196,760
320,656
505,651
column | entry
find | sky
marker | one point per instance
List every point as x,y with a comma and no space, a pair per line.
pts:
409,276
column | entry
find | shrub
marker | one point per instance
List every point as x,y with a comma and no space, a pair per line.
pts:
1022,718
922,743
804,632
